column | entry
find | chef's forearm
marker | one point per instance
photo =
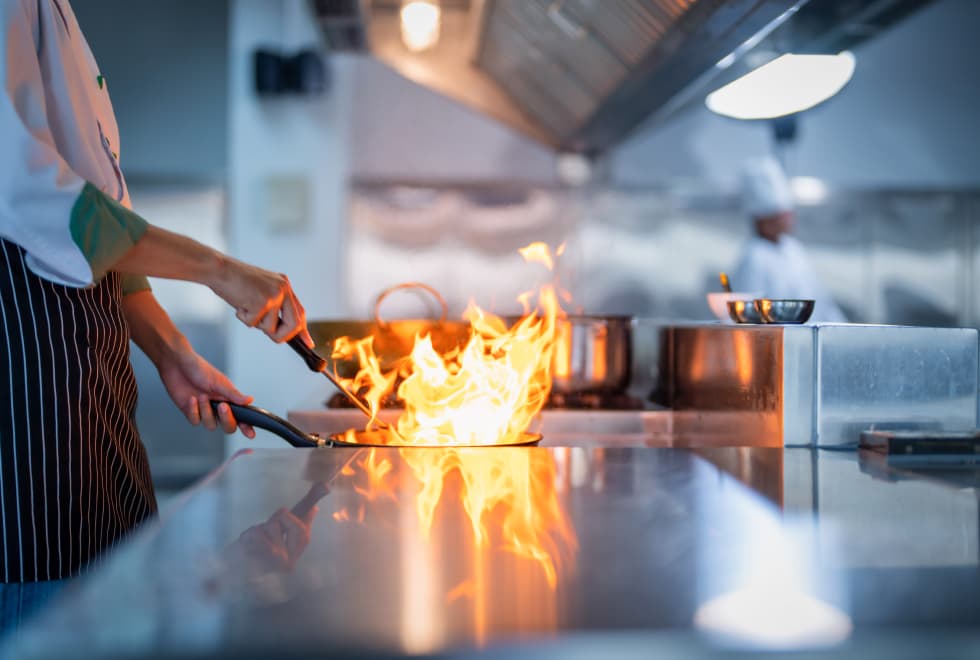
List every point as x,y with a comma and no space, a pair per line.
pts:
162,253
151,327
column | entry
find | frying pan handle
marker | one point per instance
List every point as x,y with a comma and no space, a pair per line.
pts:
264,419
317,492
313,361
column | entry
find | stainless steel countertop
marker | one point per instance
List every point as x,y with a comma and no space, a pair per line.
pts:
618,547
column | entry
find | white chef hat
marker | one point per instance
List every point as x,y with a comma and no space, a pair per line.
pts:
765,188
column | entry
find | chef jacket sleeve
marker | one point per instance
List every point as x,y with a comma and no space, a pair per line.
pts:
104,230
72,232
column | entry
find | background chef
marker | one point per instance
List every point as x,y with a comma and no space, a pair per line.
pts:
773,263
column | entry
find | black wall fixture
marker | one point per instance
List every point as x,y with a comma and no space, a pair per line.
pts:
303,73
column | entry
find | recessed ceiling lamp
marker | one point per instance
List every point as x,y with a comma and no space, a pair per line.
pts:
420,21
788,84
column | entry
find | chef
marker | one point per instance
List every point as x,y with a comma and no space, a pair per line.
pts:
773,263
74,258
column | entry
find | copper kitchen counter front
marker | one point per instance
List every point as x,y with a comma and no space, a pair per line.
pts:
623,550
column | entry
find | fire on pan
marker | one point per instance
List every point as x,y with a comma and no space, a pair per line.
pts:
383,439
485,392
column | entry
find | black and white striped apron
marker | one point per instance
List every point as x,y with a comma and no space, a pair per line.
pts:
74,477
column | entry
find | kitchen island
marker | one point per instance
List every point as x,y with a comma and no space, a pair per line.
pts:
621,551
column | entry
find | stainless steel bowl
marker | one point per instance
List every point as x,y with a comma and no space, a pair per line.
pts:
744,311
784,311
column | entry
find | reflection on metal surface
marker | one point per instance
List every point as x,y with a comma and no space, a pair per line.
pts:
885,376
592,354
783,592
600,341
761,469
658,534
511,502
509,496
723,380
820,384
773,616
719,367
421,630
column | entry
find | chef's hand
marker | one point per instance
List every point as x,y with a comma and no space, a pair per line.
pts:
262,299
192,382
276,544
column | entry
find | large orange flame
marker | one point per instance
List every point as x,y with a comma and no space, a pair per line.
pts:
486,393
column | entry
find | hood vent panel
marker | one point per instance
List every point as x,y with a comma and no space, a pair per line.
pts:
579,75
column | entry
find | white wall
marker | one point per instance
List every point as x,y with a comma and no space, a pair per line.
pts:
404,131
908,117
284,137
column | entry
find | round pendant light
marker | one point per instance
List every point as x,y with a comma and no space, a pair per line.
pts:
788,84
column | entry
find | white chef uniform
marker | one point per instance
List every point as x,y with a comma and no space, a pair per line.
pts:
74,476
60,149
778,269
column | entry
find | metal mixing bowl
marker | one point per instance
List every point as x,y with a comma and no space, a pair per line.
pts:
744,311
784,311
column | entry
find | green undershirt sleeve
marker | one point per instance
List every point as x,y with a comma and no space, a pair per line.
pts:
104,230
134,283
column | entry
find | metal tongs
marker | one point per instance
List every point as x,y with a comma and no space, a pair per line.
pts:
319,364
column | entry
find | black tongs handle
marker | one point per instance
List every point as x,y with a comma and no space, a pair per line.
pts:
312,359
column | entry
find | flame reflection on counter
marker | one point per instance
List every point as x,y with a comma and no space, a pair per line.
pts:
519,546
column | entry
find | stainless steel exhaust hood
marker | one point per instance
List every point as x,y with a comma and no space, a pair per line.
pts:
579,75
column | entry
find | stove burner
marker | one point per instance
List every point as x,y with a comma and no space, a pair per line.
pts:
593,401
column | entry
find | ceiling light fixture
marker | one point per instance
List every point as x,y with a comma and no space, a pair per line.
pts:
420,21
788,84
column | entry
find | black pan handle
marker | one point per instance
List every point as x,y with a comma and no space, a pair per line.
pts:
313,361
317,492
264,419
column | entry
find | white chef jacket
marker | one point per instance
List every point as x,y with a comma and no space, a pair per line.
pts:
63,197
782,270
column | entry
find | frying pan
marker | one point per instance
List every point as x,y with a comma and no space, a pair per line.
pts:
267,421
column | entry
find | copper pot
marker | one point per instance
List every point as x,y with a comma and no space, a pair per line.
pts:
393,340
